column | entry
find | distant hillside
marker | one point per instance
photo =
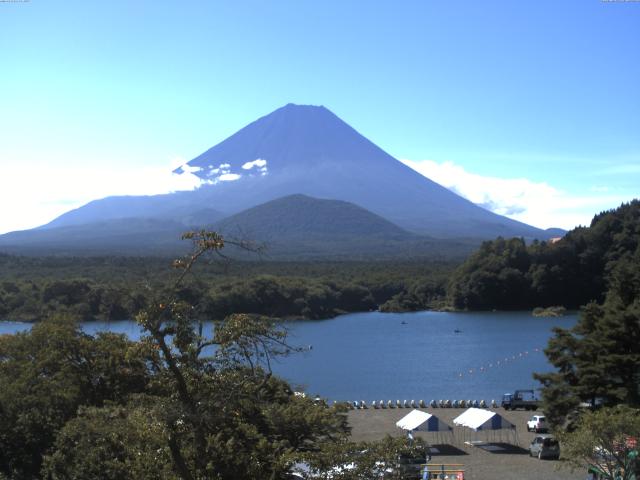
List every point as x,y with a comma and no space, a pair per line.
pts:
309,150
125,236
508,274
303,218
298,226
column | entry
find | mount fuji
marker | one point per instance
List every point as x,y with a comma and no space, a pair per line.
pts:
300,150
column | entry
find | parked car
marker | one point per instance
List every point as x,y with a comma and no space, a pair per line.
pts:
537,424
544,446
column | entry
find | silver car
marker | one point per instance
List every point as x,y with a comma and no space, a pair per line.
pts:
544,446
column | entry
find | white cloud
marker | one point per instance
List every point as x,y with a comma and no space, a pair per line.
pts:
259,164
535,203
34,194
221,173
228,177
256,163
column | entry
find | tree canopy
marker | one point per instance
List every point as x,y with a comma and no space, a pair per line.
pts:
577,269
606,440
598,360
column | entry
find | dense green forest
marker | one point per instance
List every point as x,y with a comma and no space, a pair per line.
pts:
509,274
502,274
115,288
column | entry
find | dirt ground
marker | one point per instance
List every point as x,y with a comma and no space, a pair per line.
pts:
507,457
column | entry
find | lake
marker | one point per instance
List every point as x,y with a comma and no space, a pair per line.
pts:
389,356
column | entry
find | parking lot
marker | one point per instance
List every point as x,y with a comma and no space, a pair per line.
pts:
505,457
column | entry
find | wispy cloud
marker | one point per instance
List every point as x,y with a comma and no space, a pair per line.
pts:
536,203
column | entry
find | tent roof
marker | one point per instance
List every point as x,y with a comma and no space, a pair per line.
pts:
419,420
413,420
480,419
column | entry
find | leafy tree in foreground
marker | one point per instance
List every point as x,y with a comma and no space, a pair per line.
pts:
605,440
598,360
212,409
181,403
225,415
46,374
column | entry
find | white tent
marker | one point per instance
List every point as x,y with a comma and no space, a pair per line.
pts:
478,419
420,421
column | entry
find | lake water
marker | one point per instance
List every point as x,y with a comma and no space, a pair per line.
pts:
389,356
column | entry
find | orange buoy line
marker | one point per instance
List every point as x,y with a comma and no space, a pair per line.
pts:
500,363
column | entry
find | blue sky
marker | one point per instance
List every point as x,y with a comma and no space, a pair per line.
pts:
529,108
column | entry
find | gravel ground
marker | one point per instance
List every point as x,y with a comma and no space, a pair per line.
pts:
511,462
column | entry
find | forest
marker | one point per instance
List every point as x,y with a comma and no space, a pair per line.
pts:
508,274
503,274
116,288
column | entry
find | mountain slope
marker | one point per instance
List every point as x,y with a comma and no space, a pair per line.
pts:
130,236
298,226
293,227
309,150
301,217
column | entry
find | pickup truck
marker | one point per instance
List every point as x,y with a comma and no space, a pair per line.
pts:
525,399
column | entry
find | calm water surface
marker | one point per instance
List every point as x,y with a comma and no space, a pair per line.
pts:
382,356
